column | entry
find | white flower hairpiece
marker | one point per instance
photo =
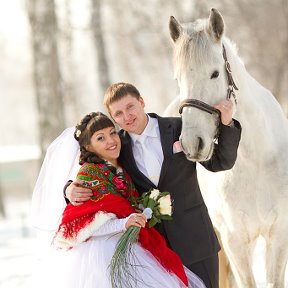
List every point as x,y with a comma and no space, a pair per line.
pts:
78,133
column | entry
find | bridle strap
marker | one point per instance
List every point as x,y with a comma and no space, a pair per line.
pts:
200,105
231,83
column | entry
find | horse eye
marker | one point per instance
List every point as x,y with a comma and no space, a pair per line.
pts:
214,75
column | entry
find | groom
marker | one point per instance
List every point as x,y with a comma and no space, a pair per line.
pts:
190,234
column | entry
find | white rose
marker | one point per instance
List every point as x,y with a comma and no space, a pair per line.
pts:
165,207
154,194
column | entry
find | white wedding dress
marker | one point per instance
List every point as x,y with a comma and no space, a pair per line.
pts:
88,264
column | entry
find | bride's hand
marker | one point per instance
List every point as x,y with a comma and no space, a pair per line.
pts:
136,219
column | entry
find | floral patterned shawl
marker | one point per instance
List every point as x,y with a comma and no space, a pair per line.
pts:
111,199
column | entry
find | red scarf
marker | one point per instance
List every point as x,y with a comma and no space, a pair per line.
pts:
76,218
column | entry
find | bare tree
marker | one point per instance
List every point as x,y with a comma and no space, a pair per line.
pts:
280,85
141,49
96,23
65,50
47,76
2,207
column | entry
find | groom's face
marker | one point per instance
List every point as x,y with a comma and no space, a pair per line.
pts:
129,114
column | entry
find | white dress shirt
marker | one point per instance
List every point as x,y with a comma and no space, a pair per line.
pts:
152,143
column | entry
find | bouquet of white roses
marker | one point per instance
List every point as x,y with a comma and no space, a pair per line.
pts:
156,206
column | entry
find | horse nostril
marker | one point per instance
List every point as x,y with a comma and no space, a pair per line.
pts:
200,144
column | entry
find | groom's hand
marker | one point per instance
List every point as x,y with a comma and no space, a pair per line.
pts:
77,194
226,108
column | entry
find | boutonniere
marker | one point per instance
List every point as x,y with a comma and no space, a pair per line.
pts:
177,147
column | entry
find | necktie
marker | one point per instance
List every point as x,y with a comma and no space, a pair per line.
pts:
150,161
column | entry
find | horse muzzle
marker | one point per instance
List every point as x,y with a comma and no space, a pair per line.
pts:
197,148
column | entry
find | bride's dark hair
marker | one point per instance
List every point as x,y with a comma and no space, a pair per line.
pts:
91,123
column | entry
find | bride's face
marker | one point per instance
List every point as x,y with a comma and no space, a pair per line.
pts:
106,144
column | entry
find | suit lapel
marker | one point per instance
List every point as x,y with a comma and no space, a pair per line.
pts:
166,136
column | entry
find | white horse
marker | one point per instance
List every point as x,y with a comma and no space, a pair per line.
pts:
250,199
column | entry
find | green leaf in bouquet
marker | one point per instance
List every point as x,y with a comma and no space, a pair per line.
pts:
156,213
166,217
163,194
151,203
145,201
145,194
153,221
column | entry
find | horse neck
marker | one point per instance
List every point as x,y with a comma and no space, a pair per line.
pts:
251,94
242,79
253,97
260,115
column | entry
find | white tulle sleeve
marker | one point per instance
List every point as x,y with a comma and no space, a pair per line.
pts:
111,227
60,164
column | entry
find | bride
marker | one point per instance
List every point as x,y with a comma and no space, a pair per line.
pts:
85,241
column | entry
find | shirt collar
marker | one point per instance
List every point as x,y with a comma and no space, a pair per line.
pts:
149,131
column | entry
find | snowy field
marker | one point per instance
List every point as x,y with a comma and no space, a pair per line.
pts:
17,242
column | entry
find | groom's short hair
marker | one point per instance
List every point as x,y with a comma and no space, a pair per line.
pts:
117,91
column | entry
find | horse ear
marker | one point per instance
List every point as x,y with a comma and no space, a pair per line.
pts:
175,28
216,24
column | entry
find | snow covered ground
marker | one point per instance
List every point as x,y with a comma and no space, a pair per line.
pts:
17,242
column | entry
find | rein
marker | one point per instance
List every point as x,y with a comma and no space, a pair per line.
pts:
206,107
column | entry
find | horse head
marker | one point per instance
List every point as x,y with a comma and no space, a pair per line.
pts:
201,71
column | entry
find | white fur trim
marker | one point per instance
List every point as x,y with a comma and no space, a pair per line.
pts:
84,234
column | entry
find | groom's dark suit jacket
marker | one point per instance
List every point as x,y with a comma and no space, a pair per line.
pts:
190,234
